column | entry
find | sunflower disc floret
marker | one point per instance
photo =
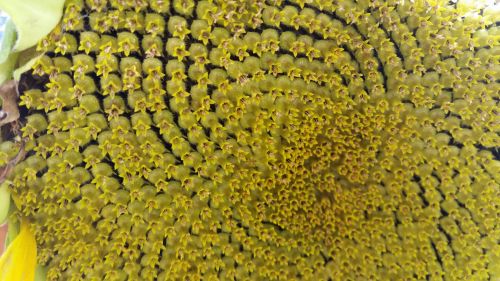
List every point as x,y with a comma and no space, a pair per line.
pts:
265,140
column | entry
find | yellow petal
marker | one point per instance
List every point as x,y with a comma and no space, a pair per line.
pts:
19,261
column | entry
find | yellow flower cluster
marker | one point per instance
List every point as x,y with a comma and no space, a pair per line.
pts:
265,140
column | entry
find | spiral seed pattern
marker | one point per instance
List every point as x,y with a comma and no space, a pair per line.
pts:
265,140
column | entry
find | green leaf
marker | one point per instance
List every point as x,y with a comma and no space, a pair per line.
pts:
33,19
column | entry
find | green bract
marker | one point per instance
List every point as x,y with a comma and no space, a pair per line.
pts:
32,19
4,202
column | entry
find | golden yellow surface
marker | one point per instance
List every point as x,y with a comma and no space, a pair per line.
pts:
266,140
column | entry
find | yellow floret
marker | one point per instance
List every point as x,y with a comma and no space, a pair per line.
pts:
264,140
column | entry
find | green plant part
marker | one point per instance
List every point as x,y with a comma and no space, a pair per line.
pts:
264,140
4,201
82,64
7,38
7,67
32,19
127,43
